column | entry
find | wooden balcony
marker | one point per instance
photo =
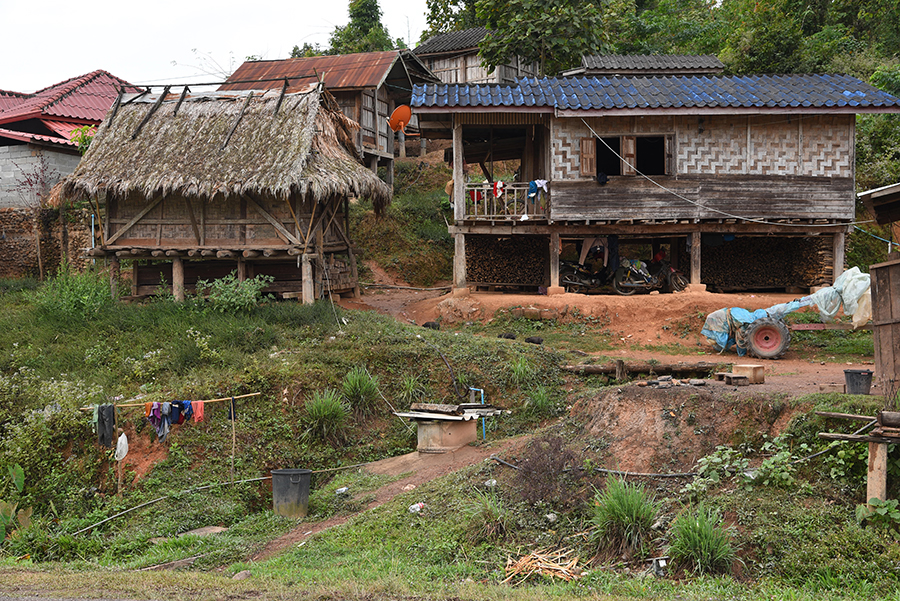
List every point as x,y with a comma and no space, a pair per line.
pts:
513,204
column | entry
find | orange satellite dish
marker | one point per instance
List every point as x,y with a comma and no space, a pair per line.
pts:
400,117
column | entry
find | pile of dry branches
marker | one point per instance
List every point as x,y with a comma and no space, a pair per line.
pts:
555,564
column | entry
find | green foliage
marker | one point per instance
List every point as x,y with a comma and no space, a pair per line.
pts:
10,514
412,389
230,295
83,136
444,16
623,515
881,514
364,32
521,372
326,417
360,389
700,543
767,39
540,403
554,34
722,464
73,296
488,519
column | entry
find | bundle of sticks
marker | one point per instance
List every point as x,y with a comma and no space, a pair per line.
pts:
555,564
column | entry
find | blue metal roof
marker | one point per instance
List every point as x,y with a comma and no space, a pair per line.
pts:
694,92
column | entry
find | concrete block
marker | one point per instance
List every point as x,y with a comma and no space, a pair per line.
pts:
755,373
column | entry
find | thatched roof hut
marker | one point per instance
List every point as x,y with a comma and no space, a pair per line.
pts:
205,180
215,146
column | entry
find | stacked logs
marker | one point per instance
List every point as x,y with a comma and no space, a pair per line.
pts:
763,263
519,261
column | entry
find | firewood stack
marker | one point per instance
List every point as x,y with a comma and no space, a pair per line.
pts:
510,261
765,263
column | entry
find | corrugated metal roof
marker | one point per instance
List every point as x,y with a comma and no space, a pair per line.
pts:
654,62
363,70
87,97
63,128
691,92
452,42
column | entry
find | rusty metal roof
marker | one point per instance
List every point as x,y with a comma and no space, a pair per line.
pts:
343,71
85,98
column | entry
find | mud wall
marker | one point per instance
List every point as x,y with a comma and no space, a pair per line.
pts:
18,247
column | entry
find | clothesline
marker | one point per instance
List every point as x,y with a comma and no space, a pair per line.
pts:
227,398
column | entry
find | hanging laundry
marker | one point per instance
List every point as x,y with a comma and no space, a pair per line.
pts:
147,408
198,411
176,417
94,418
106,423
499,186
121,447
187,410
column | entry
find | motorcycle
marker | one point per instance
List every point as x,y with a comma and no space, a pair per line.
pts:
575,277
634,276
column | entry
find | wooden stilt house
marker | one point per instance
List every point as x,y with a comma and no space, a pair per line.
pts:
195,186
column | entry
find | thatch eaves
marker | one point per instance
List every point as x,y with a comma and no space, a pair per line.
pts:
188,148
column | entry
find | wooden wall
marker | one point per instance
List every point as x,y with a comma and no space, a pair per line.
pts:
749,196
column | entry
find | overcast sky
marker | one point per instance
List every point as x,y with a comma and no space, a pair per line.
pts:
46,42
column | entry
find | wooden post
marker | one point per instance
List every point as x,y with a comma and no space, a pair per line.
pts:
554,261
423,147
876,482
178,279
838,242
695,258
241,269
233,439
120,461
459,175
401,139
620,370
459,262
306,280
114,276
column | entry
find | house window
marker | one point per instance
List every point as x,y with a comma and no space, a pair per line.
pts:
628,155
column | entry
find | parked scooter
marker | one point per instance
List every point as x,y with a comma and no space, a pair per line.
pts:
575,277
634,276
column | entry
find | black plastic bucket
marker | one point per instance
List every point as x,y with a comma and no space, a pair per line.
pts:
290,492
858,381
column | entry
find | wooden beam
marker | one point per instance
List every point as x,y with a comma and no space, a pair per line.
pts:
285,235
194,226
150,113
150,206
178,279
181,98
307,280
658,368
838,244
281,96
238,120
459,262
850,416
695,257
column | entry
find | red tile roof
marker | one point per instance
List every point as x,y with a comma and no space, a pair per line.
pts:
343,71
10,99
86,98
22,136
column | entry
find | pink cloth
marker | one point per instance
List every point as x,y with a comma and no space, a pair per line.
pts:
198,410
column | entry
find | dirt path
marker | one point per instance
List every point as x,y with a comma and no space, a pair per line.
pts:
419,467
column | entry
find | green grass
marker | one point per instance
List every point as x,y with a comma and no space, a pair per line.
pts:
700,543
623,514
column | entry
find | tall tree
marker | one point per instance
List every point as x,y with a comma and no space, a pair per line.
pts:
764,37
364,32
552,33
444,16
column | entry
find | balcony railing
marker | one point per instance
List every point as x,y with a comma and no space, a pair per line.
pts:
513,204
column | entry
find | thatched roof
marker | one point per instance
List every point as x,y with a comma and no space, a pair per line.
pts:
305,148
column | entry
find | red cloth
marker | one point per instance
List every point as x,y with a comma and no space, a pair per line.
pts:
198,410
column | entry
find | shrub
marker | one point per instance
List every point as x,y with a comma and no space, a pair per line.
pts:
361,390
544,477
521,372
623,514
230,295
326,416
412,389
74,296
488,519
540,403
700,543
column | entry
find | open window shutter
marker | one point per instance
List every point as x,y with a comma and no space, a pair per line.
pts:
628,153
670,155
588,157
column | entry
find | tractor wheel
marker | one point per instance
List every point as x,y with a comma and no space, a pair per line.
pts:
768,338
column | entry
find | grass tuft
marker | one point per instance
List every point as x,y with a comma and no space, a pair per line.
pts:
326,416
699,542
623,514
360,389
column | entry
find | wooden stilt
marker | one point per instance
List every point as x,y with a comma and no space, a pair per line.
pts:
178,279
876,481
695,258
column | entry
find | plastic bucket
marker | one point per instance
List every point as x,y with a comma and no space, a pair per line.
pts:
858,381
290,492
